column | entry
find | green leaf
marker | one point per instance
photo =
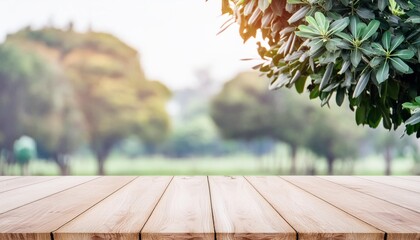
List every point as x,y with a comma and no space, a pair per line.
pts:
327,75
417,99
386,122
353,26
312,22
379,50
386,40
365,13
374,117
382,4
361,84
314,93
410,106
370,29
300,84
263,4
374,62
383,72
404,54
355,57
322,21
414,119
399,65
344,36
298,15
339,25
344,67
315,46
339,97
360,114
396,42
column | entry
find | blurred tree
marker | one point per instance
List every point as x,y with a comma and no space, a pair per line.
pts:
36,100
109,91
244,109
392,144
333,134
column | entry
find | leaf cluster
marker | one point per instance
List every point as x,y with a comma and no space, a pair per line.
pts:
365,51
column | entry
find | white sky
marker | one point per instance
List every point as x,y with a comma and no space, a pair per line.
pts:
174,38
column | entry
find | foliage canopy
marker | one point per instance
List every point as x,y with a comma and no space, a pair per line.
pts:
244,109
78,88
367,51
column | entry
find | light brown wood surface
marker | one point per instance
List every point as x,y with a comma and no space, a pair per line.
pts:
18,197
396,221
183,212
240,212
395,181
121,215
129,208
48,214
395,195
3,178
22,182
412,178
312,217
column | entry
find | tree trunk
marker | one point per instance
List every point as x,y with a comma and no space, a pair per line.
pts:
101,162
63,163
24,171
388,160
330,162
293,154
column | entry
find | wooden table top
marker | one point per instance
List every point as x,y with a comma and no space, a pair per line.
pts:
214,207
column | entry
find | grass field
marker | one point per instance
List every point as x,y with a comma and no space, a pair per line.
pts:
228,165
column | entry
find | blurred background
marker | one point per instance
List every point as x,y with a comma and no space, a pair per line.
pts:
148,88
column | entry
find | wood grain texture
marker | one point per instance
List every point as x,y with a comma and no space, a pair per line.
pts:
42,217
411,178
120,216
396,221
18,197
240,212
22,182
395,181
395,195
312,217
4,178
184,212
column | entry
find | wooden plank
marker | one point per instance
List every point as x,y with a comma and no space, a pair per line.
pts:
310,216
4,178
121,215
395,195
18,197
184,212
396,221
240,212
22,182
38,219
411,178
395,181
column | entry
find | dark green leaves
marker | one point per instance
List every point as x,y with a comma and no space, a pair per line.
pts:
361,84
400,65
404,54
327,75
370,30
382,73
386,40
364,50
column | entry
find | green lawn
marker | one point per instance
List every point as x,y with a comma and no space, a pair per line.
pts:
229,165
